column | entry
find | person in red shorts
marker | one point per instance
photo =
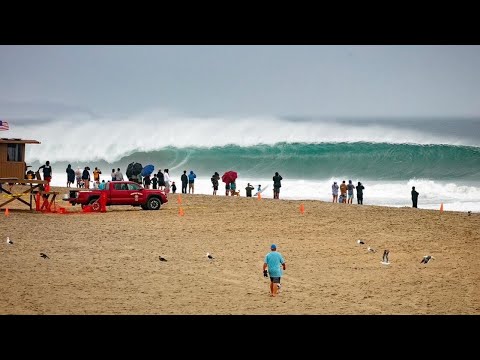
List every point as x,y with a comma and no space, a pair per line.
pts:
47,171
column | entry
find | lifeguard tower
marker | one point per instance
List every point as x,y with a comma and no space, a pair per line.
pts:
13,170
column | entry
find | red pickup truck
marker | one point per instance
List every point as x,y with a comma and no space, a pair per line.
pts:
119,193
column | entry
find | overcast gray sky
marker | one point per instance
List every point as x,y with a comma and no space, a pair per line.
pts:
364,81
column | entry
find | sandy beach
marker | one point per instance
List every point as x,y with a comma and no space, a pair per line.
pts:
107,263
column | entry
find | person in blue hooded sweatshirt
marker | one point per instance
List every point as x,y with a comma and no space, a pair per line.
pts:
191,181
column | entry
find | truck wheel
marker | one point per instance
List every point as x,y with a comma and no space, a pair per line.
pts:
95,204
144,207
154,203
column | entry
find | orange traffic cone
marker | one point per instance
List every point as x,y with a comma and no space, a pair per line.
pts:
302,209
7,212
179,199
259,196
441,208
180,212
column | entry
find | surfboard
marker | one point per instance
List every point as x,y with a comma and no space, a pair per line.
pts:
261,191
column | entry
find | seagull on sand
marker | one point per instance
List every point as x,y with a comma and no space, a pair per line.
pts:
426,259
162,258
385,257
43,255
361,242
9,242
371,249
210,256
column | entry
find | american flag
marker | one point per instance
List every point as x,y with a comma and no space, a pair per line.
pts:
4,125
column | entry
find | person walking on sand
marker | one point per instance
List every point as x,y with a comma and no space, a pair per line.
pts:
414,197
335,192
47,171
275,262
277,185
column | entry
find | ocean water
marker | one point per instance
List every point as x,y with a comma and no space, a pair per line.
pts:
440,157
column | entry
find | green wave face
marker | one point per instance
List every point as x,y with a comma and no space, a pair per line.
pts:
376,161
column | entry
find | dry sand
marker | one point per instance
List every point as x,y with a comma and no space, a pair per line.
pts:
107,263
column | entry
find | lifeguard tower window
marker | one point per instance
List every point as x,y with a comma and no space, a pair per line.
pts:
14,152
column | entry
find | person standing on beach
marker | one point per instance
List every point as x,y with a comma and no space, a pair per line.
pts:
273,260
161,179
249,190
86,177
277,185
191,181
343,192
215,178
147,181
414,197
166,179
119,175
154,181
113,175
96,175
360,189
78,177
70,175
184,179
335,191
174,187
350,188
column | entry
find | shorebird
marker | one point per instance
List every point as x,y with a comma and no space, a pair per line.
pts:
361,242
385,257
371,249
43,255
426,259
162,258
9,242
210,256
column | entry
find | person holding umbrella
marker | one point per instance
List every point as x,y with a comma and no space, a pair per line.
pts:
228,178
